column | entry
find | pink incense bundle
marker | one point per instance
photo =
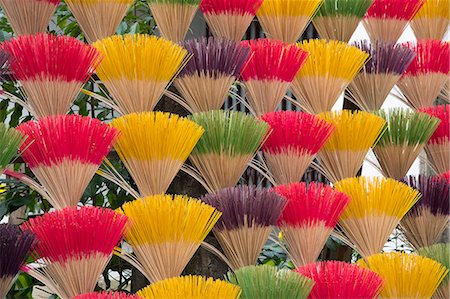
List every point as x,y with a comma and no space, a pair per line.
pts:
311,213
106,295
295,140
229,19
29,16
427,74
387,19
269,71
438,147
335,279
74,247
64,152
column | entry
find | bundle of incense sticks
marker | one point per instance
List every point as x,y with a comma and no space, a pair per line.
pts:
439,253
432,20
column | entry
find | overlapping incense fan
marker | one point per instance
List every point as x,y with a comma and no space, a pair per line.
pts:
311,213
229,143
191,287
294,142
439,253
334,279
51,69
10,142
153,146
64,152
74,246
427,220
286,19
376,206
338,19
15,248
29,16
331,66
248,217
206,79
387,63
270,69
229,19
344,152
173,17
438,147
99,18
405,136
137,68
406,275
266,282
106,295
387,19
432,20
164,232
427,74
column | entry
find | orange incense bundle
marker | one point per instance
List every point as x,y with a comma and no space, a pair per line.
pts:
295,140
51,69
427,74
74,246
387,19
311,213
64,152
29,16
271,67
229,19
432,20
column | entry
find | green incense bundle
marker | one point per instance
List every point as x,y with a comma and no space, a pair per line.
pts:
338,19
10,141
439,253
266,282
405,136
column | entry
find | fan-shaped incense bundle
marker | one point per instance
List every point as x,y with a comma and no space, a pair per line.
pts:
344,152
266,282
294,142
153,146
406,275
439,253
405,136
206,79
376,206
106,295
427,220
427,74
173,17
29,16
15,248
10,142
99,18
137,68
387,19
338,19
51,69
438,147
270,69
334,279
311,213
248,217
229,19
387,63
64,152
286,19
191,287
229,143
432,20
165,231
75,245
331,66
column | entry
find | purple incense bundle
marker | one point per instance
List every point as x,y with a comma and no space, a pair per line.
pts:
426,221
248,216
370,88
206,79
15,248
